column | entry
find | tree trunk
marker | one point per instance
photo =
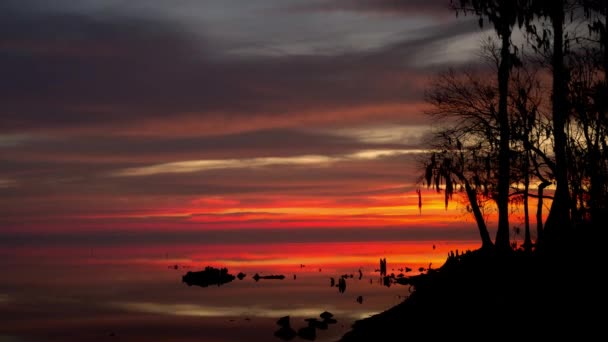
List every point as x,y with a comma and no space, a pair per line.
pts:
559,214
539,213
527,238
595,178
502,200
486,242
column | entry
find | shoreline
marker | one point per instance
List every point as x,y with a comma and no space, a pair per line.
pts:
489,295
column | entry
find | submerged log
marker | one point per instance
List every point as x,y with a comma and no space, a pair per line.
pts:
257,277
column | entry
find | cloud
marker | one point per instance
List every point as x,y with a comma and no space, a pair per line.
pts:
68,70
437,8
204,165
176,147
12,140
7,183
383,134
57,189
179,103
246,163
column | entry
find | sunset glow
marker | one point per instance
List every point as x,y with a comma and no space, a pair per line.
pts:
141,140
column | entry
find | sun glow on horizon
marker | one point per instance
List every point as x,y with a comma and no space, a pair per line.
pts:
370,210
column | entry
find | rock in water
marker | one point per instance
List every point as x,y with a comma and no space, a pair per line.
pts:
308,333
209,276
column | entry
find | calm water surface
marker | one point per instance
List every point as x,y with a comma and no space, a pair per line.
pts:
130,293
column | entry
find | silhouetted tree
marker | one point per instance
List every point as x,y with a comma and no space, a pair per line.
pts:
596,12
464,152
525,100
588,135
533,131
499,129
503,15
554,11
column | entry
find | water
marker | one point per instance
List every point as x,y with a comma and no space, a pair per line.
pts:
130,293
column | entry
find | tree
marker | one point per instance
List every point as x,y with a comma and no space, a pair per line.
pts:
466,149
555,12
588,137
506,119
525,100
465,152
451,166
596,12
504,15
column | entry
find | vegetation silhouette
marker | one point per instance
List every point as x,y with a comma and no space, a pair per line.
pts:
503,15
537,129
465,154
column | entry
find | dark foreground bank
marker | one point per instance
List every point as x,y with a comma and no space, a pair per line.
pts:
484,294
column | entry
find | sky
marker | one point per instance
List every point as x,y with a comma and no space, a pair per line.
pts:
222,121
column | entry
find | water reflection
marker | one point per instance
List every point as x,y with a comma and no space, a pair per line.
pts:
195,310
138,294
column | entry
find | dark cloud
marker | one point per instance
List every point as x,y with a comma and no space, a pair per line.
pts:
138,150
73,179
60,69
439,8
84,165
65,70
